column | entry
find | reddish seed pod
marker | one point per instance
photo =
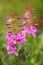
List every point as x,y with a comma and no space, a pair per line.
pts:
19,24
25,17
18,17
36,24
14,28
8,25
12,21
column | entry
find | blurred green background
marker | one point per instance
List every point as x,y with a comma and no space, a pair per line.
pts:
19,6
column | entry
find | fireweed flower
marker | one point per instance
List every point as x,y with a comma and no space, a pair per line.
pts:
12,49
19,37
32,30
8,36
11,38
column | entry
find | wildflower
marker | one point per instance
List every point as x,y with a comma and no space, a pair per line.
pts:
12,49
24,31
8,36
14,40
32,30
11,38
21,38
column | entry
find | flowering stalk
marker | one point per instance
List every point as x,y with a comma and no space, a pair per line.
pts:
18,36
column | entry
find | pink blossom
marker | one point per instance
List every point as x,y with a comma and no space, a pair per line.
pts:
24,30
32,30
8,36
12,49
21,38
11,38
15,40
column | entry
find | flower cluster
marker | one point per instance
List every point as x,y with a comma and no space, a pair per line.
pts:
19,38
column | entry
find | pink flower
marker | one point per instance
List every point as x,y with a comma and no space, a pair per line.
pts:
21,38
12,49
32,30
24,31
8,36
11,38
